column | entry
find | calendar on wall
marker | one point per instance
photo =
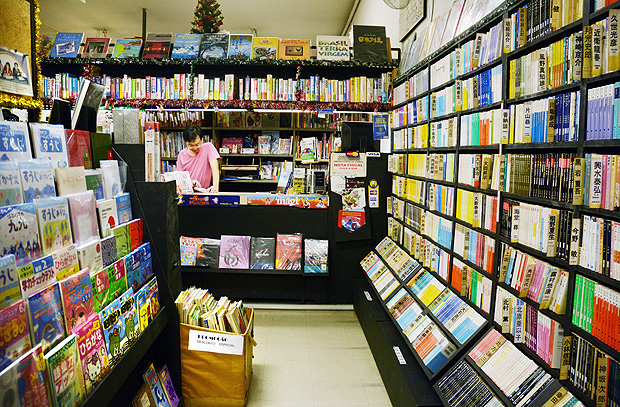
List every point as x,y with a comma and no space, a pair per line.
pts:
410,17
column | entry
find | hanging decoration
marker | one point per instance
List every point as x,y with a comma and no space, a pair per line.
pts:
208,17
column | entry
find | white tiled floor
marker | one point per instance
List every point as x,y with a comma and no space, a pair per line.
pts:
307,358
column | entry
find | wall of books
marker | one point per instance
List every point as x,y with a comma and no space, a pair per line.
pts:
501,247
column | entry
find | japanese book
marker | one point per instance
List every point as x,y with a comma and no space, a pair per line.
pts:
50,142
288,252
53,220
189,248
117,279
9,289
122,240
294,49
17,146
213,45
111,178
332,48
100,284
108,216
369,44
10,184
19,232
265,48
83,217
109,253
16,380
132,269
16,335
78,146
77,299
146,262
45,316
36,275
308,145
65,370
112,321
89,255
153,298
94,182
37,177
182,180
135,233
70,180
143,305
166,381
132,322
143,398
157,45
67,45
185,46
92,351
101,146
253,119
240,46
275,140
96,47
208,253
123,207
262,252
264,144
315,256
127,48
235,252
155,386
65,262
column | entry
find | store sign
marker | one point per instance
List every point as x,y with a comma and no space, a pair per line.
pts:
348,166
380,126
208,200
206,341
299,201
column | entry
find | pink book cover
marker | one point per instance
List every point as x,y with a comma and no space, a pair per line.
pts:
235,252
82,207
25,380
15,340
92,350
78,145
77,299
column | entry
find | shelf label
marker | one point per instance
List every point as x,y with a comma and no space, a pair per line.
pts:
205,341
208,200
299,201
399,355
367,294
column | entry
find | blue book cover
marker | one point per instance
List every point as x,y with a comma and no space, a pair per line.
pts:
37,178
616,116
123,208
155,387
127,48
49,142
186,46
15,144
19,233
113,325
146,263
240,46
45,311
10,184
214,45
67,45
132,323
9,283
132,269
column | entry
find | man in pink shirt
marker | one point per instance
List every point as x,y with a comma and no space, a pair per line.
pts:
200,159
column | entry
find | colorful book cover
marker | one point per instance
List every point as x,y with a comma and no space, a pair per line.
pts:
78,146
94,182
15,333
135,233
19,232
101,146
16,144
132,322
92,351
111,178
157,389
213,45
316,255
143,305
9,285
351,220
24,382
10,184
77,298
369,44
127,48
240,46
262,252
108,216
118,280
96,47
109,252
123,208
36,275
100,285
65,370
65,262
37,177
166,381
189,247
45,316
235,252
333,48
113,324
123,243
294,49
54,226
208,253
157,45
265,47
83,217
146,262
89,255
288,252
143,398
50,142
70,180
153,298
132,269
185,46
67,45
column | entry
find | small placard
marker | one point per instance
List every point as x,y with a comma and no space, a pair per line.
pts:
367,294
247,151
215,342
373,154
224,150
399,355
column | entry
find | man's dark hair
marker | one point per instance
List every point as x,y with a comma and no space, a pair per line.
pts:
190,133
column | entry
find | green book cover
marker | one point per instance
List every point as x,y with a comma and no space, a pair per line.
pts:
100,143
577,301
100,284
118,280
123,242
65,372
94,182
475,136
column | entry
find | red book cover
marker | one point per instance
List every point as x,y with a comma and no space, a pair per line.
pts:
135,233
156,49
288,252
351,220
457,277
78,146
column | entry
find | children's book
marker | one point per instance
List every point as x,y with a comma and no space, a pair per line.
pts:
24,382
189,247
333,48
157,45
118,280
17,145
96,47
288,252
143,305
78,146
166,381
45,316
135,233
101,146
146,263
111,178
67,45
127,48
235,252
265,47
109,253
213,45
186,46
153,298
54,226
294,49
94,182
264,144
315,255
262,253
113,324
253,119
10,291
108,216
65,262
65,370
155,386
123,243
100,284
132,269
77,299
89,255
10,184
92,351
36,275
143,398
50,142
15,333
19,232
83,217
182,180
123,207
240,46
37,178
70,180
132,322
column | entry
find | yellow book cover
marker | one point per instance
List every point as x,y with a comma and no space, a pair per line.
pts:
265,47
294,49
613,47
586,71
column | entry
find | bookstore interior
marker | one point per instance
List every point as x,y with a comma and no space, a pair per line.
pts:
453,183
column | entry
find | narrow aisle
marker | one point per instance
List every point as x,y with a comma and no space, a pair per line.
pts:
307,358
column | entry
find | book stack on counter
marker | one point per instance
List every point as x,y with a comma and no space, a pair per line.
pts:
199,307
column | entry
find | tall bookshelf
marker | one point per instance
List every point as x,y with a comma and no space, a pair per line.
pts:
452,204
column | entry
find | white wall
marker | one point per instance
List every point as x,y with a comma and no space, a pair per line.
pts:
434,9
375,12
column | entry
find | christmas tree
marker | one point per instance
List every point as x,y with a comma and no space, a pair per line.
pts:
207,17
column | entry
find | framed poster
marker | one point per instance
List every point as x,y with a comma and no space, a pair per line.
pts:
410,17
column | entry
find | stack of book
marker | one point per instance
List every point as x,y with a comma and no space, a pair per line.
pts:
198,307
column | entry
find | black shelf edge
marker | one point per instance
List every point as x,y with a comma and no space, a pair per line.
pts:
578,393
474,228
562,145
254,181
315,130
434,181
271,272
492,192
481,68
599,212
404,126
599,278
168,158
561,318
601,79
490,106
411,99
469,302
440,87
609,143
545,93
533,252
443,117
399,151
253,128
604,10
442,149
538,201
486,147
426,237
418,123
547,39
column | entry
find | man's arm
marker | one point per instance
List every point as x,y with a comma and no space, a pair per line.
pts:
215,174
